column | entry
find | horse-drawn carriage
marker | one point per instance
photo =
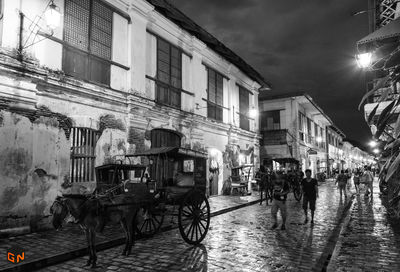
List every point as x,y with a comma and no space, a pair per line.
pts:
182,189
240,178
172,183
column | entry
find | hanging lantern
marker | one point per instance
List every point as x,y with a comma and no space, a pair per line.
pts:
53,16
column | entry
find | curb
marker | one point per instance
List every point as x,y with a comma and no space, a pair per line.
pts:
324,260
41,263
338,245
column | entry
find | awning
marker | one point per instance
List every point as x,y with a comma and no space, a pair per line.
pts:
170,151
390,30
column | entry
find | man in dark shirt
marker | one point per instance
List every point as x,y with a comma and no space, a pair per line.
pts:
310,195
280,191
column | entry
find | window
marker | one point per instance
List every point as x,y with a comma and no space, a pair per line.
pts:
271,120
215,91
169,74
301,126
316,130
83,144
88,32
244,108
163,138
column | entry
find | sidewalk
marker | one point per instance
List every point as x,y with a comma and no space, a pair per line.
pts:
50,247
369,240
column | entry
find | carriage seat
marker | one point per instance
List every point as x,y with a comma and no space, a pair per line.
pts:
238,185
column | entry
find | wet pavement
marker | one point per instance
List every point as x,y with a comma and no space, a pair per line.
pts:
240,240
52,246
370,241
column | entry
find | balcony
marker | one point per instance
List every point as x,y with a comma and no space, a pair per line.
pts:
274,137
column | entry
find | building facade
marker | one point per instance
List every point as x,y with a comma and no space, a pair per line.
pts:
113,78
336,159
293,129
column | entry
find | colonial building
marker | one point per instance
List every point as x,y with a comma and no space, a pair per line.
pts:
293,129
335,138
354,156
115,77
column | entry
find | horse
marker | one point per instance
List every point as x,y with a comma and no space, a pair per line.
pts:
263,182
93,213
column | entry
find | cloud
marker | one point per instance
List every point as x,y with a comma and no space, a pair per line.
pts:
296,45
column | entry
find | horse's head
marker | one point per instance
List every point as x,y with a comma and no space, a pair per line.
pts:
59,210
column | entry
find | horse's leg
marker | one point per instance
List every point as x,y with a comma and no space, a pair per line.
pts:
94,255
89,247
124,227
131,230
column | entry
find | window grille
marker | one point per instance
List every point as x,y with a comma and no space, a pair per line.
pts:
169,74
83,145
215,95
88,31
244,108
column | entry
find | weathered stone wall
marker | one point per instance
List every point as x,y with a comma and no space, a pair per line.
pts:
34,160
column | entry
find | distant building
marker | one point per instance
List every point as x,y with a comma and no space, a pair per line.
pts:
336,157
294,132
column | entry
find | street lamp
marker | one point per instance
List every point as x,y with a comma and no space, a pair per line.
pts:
364,60
52,15
253,113
52,18
372,143
376,150
319,139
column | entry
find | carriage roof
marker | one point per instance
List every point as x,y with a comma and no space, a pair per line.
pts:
121,166
175,152
243,166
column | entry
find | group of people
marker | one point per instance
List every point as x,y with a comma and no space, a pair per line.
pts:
360,176
279,184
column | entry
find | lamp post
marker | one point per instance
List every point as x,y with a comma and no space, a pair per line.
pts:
52,16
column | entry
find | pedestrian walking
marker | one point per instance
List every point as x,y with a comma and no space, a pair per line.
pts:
341,180
310,195
369,181
280,191
356,180
348,174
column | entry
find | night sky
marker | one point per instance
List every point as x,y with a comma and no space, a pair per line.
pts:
297,45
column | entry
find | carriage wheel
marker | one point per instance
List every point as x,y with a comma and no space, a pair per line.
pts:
297,193
194,217
152,221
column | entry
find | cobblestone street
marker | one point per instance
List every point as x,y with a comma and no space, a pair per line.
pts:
237,241
370,241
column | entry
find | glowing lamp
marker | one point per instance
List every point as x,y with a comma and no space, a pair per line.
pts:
364,60
319,139
52,16
253,113
372,143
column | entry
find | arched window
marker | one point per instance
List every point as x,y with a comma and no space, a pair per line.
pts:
165,137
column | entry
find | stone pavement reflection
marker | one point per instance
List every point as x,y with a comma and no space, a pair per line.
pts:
370,241
240,240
